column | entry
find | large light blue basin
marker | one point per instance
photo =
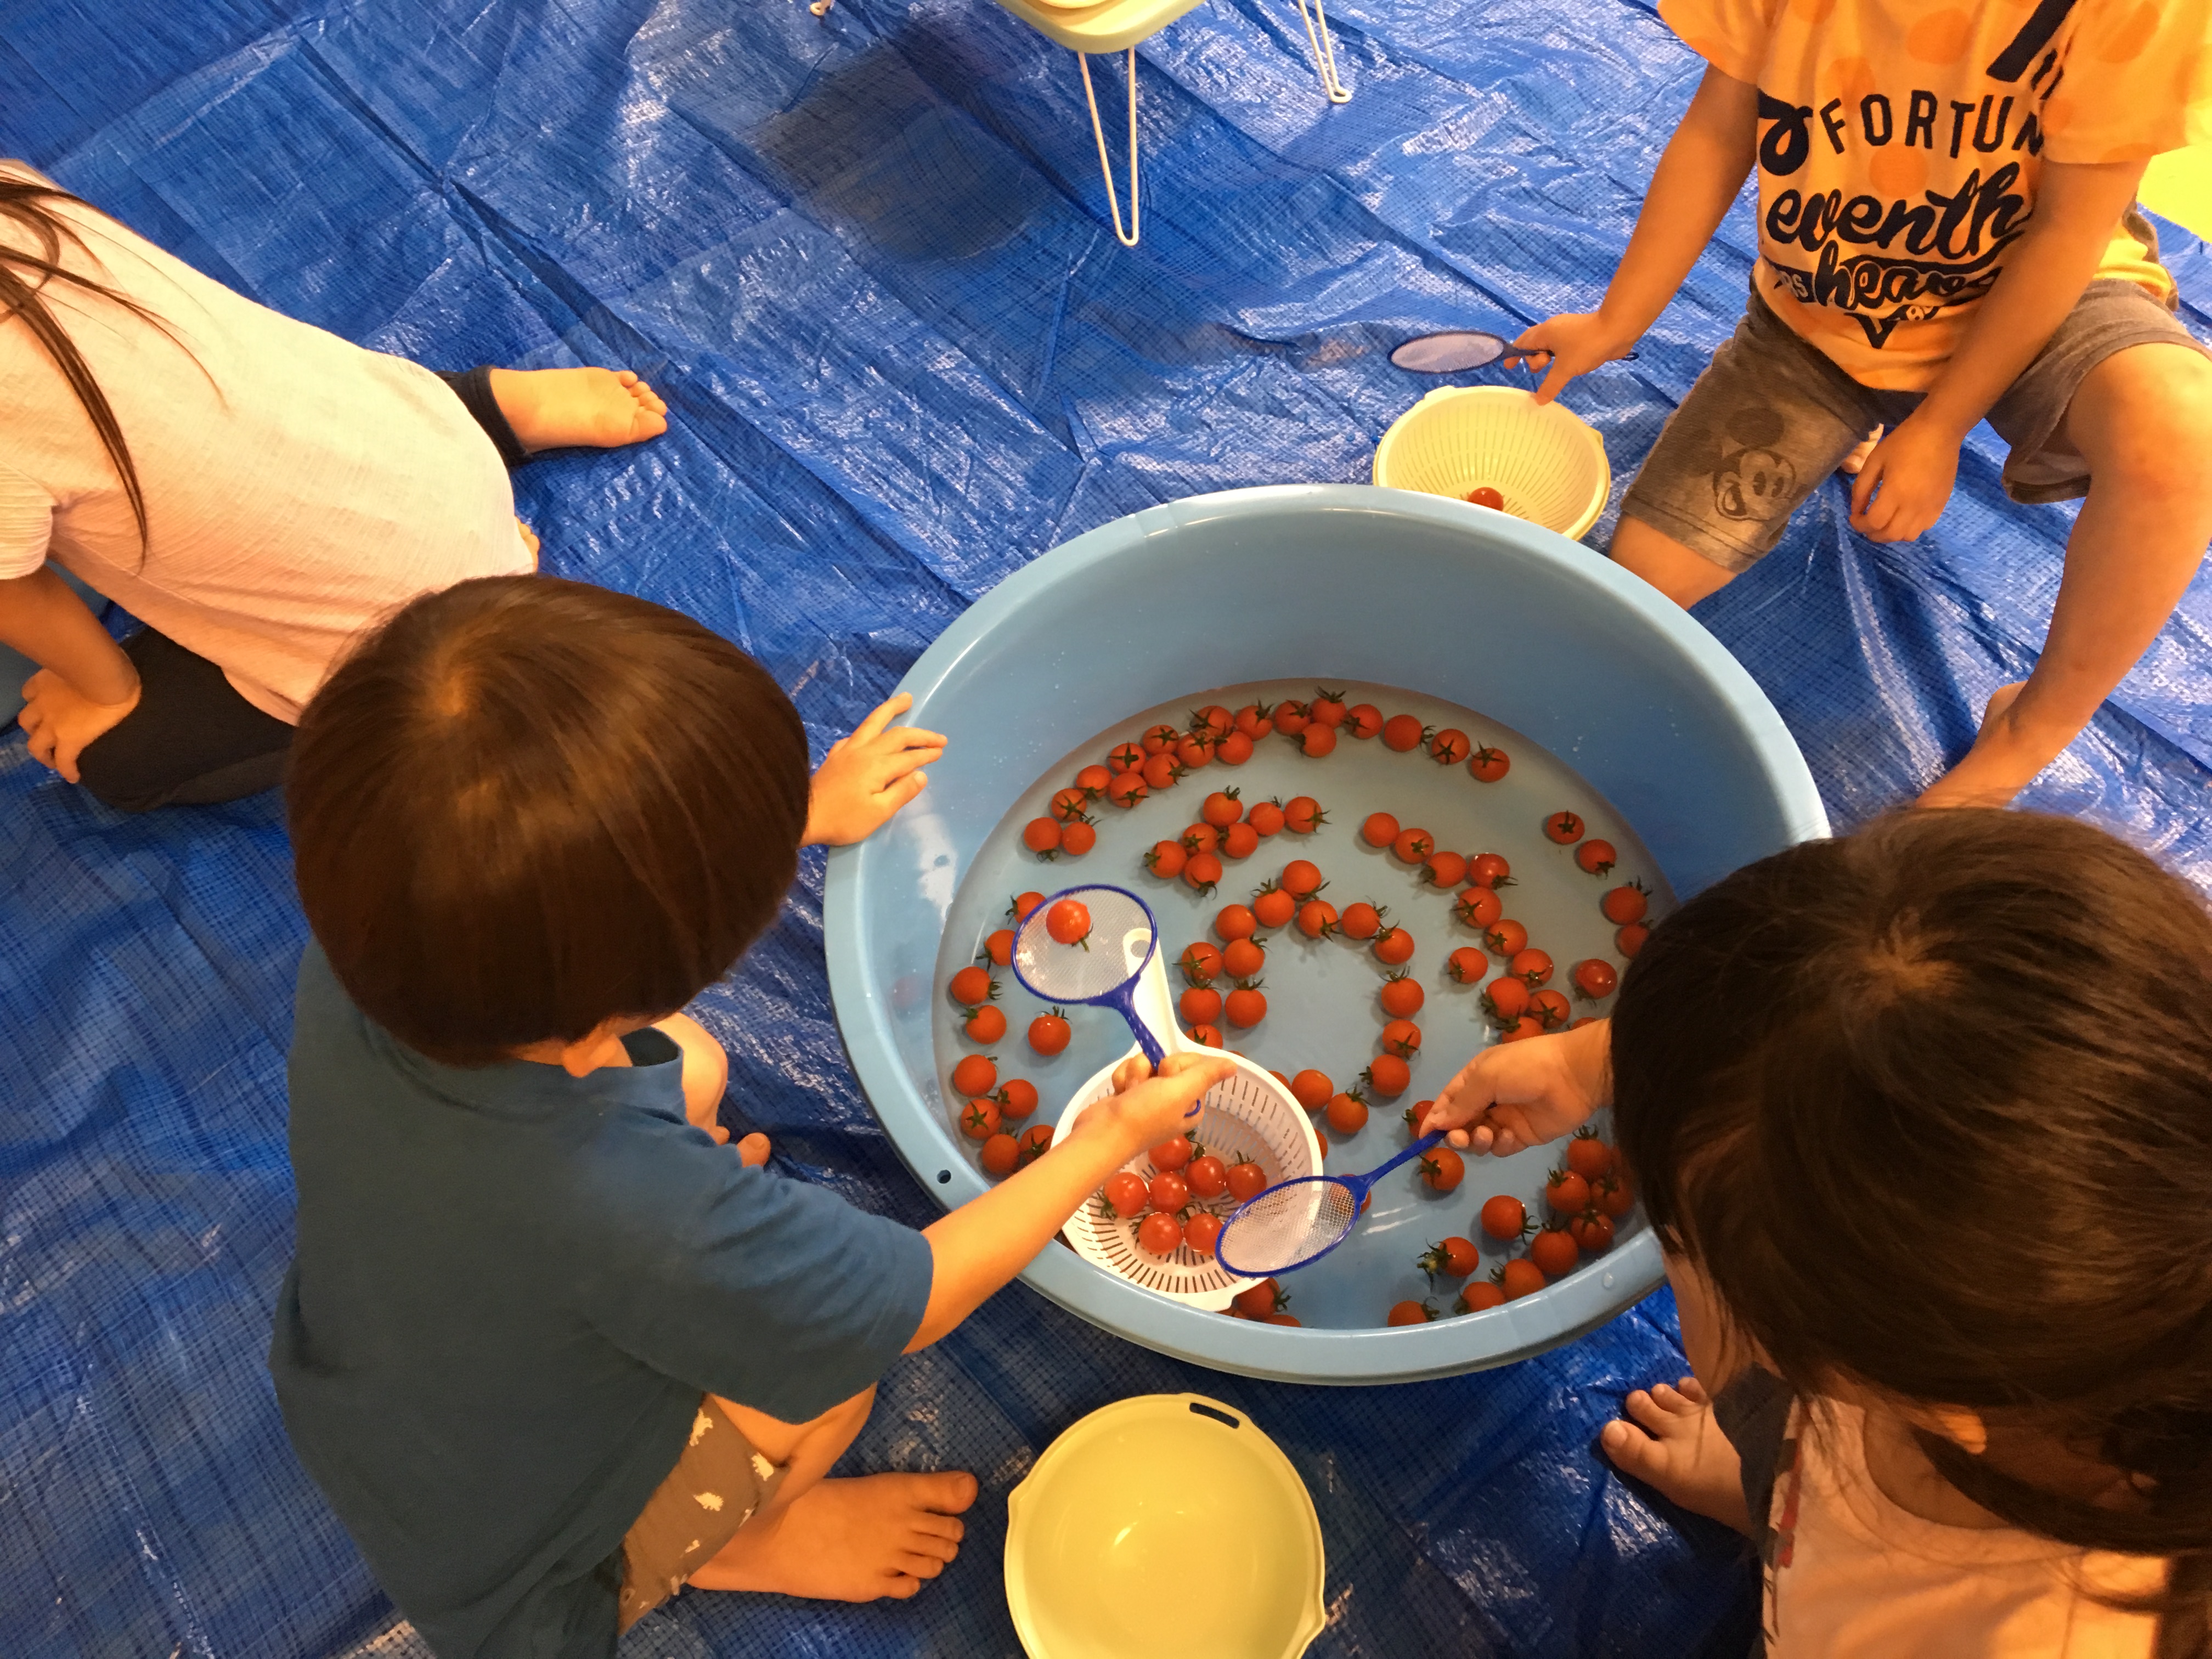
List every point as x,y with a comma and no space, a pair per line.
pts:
1338,582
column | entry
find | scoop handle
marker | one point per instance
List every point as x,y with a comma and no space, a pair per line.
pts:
1362,1182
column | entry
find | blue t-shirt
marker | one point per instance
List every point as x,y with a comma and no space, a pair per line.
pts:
510,1290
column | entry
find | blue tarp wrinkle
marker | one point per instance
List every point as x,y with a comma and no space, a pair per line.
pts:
864,257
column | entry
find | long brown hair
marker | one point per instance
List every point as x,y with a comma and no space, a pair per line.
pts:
523,806
24,276
1932,1107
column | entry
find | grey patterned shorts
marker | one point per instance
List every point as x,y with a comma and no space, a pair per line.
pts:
1772,416
716,1486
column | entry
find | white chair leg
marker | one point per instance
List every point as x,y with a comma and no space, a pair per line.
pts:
1128,237
1316,22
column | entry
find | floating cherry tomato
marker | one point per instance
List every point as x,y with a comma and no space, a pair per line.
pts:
1401,996
1489,870
1021,905
1567,1192
1206,1036
1243,958
1361,921
1125,757
1454,1257
1589,1157
1172,1154
1564,827
1554,1252
1467,965
1163,772
1239,840
1048,1033
1595,977
1327,708
1484,496
1480,1295
1247,1181
1001,1153
1160,739
1478,908
1258,1301
1077,839
1520,1277
1202,1233
1378,829
1202,870
1267,818
1347,1112
1522,1030
1291,718
1200,964
1401,1037
975,1075
1040,835
1623,905
1246,1005
1630,939
1389,1076
1193,752
1126,1192
1166,860
1362,720
1318,741
1596,856
1505,999
1301,815
1092,780
1207,1175
1531,965
1159,1234
1403,732
1411,1313
1449,746
1441,1169
1068,922
1550,1007
1235,750
1018,1097
979,1120
1127,788
1312,1089
1504,1217
1201,838
1235,922
1067,804
1615,1197
1506,937
1200,1005
1253,722
1317,919
1300,878
1000,947
1413,846
1446,869
1212,721
1035,1142
1222,808
985,1024
973,985
1593,1231
1394,946
1273,908
1489,764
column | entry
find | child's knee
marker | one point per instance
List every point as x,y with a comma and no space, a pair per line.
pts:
2158,425
706,1067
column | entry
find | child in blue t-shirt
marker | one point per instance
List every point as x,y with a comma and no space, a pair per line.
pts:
550,1350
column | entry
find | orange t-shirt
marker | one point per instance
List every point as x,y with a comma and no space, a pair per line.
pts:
1855,1577
1901,143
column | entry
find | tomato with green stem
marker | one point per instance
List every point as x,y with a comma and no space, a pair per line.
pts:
1587,1156
1520,1277
1125,757
1596,978
1291,718
1200,962
1247,1181
1624,904
975,1074
1000,1154
1246,1005
1163,772
1206,1036
1505,999
1564,827
1201,838
1504,1218
1092,780
1126,1192
1454,1258
1477,908
1532,965
1413,846
1317,919
1362,921
1401,1037
1048,1033
1404,732
1449,746
1273,908
1592,1232
1445,869
1200,1005
1480,1295
1411,1313
1393,947
1041,835
1166,860
984,1024
1000,947
1243,958
1301,878
1160,739
1203,872
1489,764
1303,814
1068,804
1554,1252
1550,1006
1252,721
1016,1098
1239,840
973,985
1362,720
1489,870
1222,808
1388,1075
1311,1089
1035,1142
1068,922
1467,965
1441,1169
1267,818
978,1120
1347,1112
1328,707
1401,996
1566,1192
1506,937
1127,788
1596,857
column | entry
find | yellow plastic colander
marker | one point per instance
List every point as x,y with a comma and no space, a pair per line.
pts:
1546,461
1142,1496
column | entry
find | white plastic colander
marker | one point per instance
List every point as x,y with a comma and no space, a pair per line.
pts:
1546,461
1251,1116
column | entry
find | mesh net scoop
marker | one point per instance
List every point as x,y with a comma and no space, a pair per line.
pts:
1101,970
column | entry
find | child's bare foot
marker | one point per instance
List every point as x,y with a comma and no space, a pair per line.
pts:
1854,463
567,408
1681,1451
850,1540
753,1149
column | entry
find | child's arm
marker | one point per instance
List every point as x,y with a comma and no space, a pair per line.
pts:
866,777
1914,468
984,1243
1705,166
1514,1095
85,685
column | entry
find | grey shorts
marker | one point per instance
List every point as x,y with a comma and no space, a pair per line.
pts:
716,1485
1772,417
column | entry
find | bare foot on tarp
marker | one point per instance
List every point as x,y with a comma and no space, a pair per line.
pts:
1854,463
1678,1448
849,1541
753,1149
571,408
2000,764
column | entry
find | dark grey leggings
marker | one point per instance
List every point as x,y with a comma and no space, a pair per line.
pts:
192,739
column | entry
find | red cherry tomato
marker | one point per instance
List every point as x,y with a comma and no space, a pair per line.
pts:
1222,809
1467,965
1048,1033
1202,1233
1504,1217
1379,829
1347,1112
1068,922
1127,788
1200,1005
1567,1191
1595,977
1206,1036
1273,908
1401,1037
985,1024
1317,919
1159,1234
1267,818
1201,838
1246,1181
1202,870
1454,1257
1077,839
1170,1191
1626,904
1239,840
1067,804
1361,921
1327,708
1589,1157
1235,750
1258,1301
1125,757
1478,908
1480,1295
1235,922
1193,752
1532,965
975,1075
1505,999
1522,1029
1126,1192
1488,765
1630,939
1554,1252
1291,718
1401,997
1207,1175
1212,721
972,985
1550,1007
1413,846
1506,937
1564,827
1594,1232
1615,1197
1162,771
1441,1169
1166,860
1300,878
1484,496
1410,1313
1318,741
1171,1155
1092,780
1520,1277
1040,835
978,1120
1446,869
1246,1006
1362,720
1301,815
1160,739
1312,1089
1489,870
1393,947
1000,947
1243,958
1403,732
1252,720
1389,1076
1449,746
1001,1153
1596,856
1035,1142
1018,1097
1022,904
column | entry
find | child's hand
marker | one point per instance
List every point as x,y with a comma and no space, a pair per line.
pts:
866,777
62,722
1572,343
1514,1095
1914,467
1147,1110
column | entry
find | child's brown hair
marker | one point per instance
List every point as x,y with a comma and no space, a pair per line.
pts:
1930,1105
525,806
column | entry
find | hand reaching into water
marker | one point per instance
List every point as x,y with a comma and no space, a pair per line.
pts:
868,776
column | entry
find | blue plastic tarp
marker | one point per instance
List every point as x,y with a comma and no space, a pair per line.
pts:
865,257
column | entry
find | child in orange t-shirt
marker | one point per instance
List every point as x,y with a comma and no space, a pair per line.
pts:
1946,232
1921,1118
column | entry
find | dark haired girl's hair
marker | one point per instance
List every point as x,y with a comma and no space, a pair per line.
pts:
23,278
1932,1107
523,806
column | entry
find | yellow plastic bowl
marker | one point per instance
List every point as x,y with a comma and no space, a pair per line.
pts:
1144,1499
1546,461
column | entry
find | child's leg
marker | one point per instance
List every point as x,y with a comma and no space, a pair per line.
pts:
706,1078
1681,1450
2142,420
192,739
837,1540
